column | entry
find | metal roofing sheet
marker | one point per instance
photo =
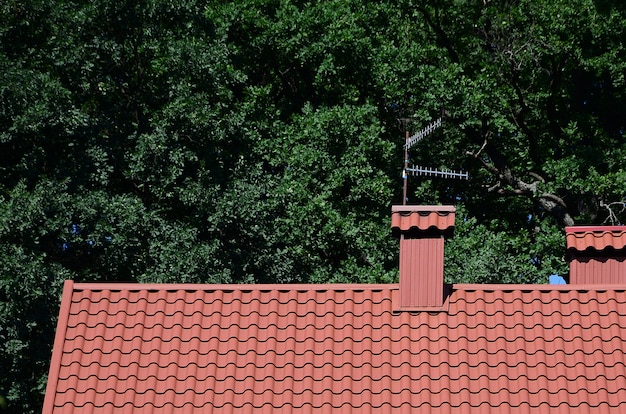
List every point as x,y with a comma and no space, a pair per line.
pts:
281,348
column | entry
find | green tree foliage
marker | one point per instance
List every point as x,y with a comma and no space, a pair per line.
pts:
257,141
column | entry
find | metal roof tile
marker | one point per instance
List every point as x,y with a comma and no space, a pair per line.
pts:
184,348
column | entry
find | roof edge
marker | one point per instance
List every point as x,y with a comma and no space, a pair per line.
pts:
57,347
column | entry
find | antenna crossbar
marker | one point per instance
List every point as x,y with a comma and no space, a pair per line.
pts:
433,172
422,134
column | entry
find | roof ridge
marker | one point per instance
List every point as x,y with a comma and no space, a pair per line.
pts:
335,286
226,286
538,287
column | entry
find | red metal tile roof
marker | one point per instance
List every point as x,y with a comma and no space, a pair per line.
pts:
337,348
598,238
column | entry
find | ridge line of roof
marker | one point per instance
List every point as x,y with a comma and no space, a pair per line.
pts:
331,286
210,286
571,287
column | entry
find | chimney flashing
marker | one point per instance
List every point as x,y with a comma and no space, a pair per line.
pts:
445,306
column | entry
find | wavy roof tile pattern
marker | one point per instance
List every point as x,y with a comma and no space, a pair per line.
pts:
337,348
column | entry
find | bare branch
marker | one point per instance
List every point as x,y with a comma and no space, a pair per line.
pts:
511,191
537,176
612,217
494,188
476,155
554,198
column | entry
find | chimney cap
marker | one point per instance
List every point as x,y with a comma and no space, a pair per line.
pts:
580,238
422,219
595,229
408,209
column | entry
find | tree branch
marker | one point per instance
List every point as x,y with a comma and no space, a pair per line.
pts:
612,216
558,200
442,37
509,183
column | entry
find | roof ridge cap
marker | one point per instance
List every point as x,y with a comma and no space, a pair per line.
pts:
538,287
333,286
225,286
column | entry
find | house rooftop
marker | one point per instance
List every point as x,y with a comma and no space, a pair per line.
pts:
416,346
305,348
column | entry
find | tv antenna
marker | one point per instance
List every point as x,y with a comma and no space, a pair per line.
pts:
414,170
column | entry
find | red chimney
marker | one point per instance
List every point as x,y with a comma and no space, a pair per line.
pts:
421,230
596,254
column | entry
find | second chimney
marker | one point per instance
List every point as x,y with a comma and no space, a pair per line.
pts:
596,254
421,230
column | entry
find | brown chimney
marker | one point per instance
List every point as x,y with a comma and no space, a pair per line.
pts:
596,254
421,230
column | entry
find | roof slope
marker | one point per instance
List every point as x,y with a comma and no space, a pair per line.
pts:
281,348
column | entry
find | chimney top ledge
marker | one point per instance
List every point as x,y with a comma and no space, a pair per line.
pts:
594,229
408,209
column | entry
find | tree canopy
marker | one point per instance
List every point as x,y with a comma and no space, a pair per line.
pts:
258,141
